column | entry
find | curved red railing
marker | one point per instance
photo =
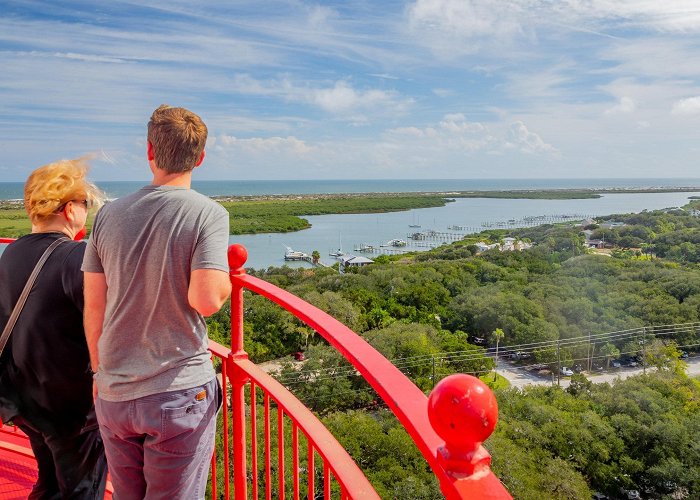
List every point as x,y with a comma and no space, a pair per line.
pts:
448,427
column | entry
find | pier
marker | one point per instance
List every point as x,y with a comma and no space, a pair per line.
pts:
294,255
436,236
535,220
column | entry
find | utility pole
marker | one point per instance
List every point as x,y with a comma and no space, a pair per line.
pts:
558,366
644,349
589,352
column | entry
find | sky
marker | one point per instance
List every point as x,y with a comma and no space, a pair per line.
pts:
450,89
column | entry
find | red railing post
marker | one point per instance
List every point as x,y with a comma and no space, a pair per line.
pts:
463,411
237,255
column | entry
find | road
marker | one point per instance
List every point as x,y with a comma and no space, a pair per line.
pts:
519,377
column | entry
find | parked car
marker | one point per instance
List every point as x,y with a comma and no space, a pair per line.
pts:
578,368
299,356
684,355
566,371
630,494
616,363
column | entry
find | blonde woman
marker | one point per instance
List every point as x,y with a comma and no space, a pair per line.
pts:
45,377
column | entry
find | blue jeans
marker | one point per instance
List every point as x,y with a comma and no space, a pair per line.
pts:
160,446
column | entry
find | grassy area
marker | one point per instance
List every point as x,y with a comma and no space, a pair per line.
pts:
284,214
555,194
499,383
269,214
13,220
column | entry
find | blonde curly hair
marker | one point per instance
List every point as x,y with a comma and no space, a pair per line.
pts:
50,187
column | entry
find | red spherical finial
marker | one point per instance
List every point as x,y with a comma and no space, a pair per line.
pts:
463,411
237,256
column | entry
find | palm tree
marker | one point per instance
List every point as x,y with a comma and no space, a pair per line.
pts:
497,334
315,256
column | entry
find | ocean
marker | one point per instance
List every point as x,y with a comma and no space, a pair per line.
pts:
115,189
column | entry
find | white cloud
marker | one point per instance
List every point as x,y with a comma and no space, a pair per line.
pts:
452,28
258,145
689,106
527,142
465,18
668,15
455,132
626,105
340,98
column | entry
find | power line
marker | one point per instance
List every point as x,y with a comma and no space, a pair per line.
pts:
303,376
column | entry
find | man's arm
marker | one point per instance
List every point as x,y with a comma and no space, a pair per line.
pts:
95,293
209,289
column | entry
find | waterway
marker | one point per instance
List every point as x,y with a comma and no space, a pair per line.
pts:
349,231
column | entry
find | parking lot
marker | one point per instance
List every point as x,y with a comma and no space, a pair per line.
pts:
520,377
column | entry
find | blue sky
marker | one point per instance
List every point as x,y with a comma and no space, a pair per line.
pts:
360,89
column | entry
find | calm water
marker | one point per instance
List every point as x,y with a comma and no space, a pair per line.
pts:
329,232
349,231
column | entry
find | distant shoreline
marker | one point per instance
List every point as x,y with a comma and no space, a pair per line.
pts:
284,213
525,194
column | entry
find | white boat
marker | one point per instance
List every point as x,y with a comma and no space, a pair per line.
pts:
338,253
364,247
396,243
290,254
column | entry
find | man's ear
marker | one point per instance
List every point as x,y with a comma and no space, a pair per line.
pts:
201,159
149,152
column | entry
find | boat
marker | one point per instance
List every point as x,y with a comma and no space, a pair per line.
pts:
415,223
338,253
396,243
290,254
364,247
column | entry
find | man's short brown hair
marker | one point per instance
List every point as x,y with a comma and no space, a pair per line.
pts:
178,137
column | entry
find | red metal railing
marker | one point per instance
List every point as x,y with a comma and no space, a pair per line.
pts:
448,427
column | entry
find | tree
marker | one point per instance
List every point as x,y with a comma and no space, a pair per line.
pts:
609,351
315,256
664,356
579,385
497,335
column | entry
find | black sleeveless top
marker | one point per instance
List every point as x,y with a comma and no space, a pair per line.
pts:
44,369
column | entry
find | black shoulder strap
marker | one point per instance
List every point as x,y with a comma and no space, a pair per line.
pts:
25,293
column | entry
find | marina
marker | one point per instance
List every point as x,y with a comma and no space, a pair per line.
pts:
472,215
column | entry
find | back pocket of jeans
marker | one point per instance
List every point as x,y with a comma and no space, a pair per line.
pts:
182,427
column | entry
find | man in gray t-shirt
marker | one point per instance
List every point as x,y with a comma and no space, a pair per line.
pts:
154,266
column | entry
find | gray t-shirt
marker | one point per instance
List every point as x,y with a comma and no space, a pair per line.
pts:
147,244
